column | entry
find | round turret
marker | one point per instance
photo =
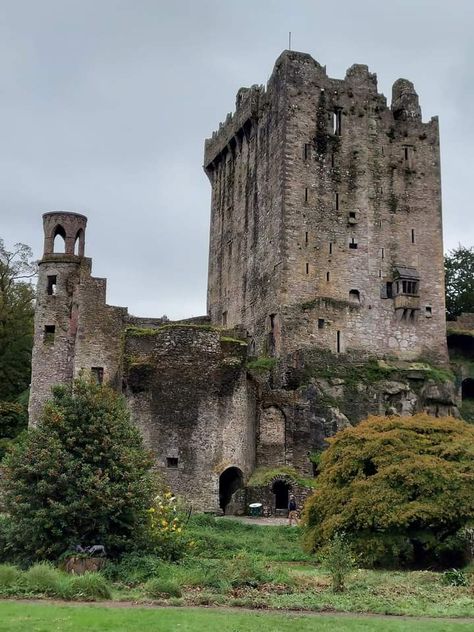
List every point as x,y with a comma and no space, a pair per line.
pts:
71,227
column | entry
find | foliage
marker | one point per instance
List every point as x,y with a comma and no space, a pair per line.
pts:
158,587
265,475
13,420
140,332
262,364
337,559
9,575
88,587
400,488
44,579
167,519
82,476
455,577
459,273
16,319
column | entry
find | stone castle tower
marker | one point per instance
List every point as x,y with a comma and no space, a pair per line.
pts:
326,216
325,293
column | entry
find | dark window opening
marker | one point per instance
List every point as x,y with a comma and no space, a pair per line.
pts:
354,296
281,491
406,152
307,268
327,277
49,332
51,289
307,151
467,388
230,481
389,289
352,214
306,238
97,372
230,249
409,287
383,253
336,201
320,323
172,462
330,247
353,244
224,319
429,311
338,342
332,160
306,194
412,235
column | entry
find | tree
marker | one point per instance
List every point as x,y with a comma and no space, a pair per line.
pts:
82,476
16,319
400,488
459,272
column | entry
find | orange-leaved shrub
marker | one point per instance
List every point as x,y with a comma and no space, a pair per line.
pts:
401,488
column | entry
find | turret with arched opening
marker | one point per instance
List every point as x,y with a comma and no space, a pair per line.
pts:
64,233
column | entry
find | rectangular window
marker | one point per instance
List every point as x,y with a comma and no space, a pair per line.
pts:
224,319
389,289
97,372
330,247
48,335
172,462
412,235
306,238
382,253
332,160
307,151
338,342
307,268
306,194
409,287
320,323
51,288
336,201
327,277
337,121
353,244
352,214
428,311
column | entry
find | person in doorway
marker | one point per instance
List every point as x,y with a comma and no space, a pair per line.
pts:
292,511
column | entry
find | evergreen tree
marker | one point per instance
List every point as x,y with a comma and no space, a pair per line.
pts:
459,272
82,476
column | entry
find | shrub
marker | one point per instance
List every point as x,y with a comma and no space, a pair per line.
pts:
82,476
337,559
454,577
9,575
165,535
134,569
400,488
45,580
89,587
162,587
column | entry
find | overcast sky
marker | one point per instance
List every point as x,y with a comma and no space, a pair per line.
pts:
105,105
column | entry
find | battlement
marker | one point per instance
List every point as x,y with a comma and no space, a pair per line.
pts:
231,131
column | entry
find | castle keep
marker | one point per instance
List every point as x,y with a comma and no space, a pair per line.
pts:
325,292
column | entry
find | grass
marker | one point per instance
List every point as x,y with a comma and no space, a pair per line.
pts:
265,475
262,364
41,618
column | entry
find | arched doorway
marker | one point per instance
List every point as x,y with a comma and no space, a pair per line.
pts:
281,490
468,388
230,481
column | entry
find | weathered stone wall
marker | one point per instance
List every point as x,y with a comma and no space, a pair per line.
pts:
351,195
187,391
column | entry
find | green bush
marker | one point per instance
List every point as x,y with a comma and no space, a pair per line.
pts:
44,579
134,569
337,559
81,476
454,577
162,587
9,575
400,488
88,587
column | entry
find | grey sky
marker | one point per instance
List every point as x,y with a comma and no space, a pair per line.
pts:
105,105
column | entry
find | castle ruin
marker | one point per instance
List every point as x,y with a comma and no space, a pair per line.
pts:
325,292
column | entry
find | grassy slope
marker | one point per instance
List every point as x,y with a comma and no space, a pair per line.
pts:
16,617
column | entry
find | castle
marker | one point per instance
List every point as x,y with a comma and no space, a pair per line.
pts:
325,292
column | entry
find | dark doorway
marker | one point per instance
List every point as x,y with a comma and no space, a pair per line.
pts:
230,481
468,388
281,490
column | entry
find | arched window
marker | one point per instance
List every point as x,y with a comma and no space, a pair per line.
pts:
354,296
59,239
79,243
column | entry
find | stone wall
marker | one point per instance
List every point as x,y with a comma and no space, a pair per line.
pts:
187,391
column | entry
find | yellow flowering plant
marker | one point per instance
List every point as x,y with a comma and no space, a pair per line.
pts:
167,518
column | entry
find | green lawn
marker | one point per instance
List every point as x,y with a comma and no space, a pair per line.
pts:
22,617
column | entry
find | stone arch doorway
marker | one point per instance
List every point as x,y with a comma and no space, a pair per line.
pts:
467,388
230,481
281,490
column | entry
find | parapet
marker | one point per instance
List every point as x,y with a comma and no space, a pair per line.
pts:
247,107
71,227
405,105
